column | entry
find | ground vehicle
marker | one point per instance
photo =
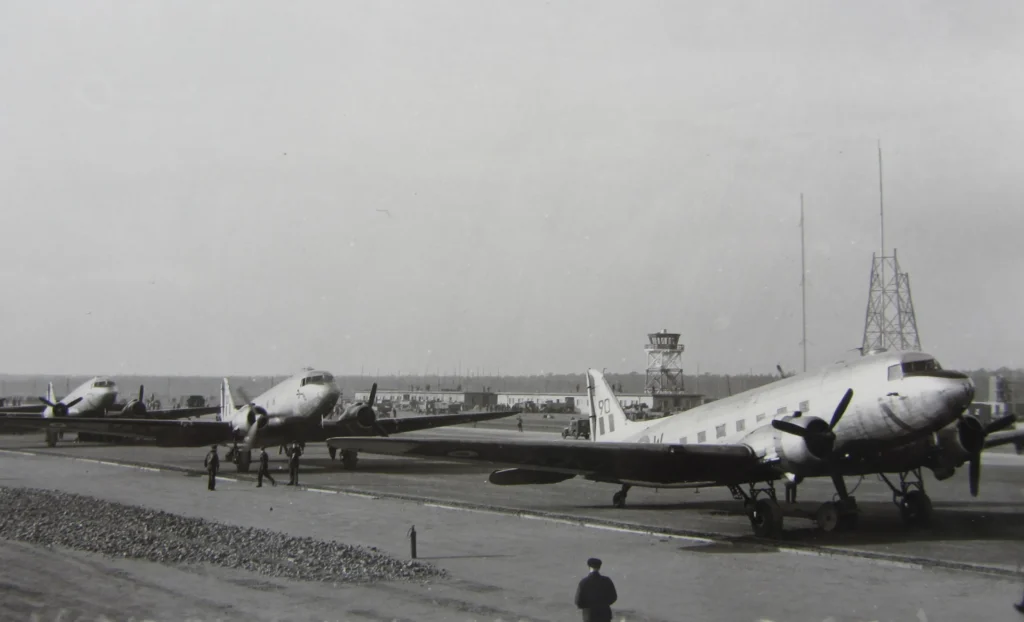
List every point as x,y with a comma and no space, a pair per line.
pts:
577,428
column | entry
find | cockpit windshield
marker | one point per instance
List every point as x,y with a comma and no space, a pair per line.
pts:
322,378
103,384
911,368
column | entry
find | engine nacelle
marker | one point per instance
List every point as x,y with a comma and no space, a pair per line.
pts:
795,454
363,414
134,408
954,444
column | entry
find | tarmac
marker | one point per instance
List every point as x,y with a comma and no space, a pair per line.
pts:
513,567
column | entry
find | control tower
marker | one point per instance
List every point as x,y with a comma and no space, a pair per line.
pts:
665,371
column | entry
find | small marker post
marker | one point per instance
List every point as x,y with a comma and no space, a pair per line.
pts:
412,540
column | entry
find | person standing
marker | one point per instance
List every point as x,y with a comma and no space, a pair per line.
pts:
595,594
519,422
293,465
212,464
264,469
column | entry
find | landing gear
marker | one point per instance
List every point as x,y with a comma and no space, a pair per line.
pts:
349,459
333,451
915,506
765,513
244,460
619,498
51,438
840,514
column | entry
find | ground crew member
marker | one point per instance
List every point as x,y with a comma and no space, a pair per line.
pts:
595,594
264,469
212,464
293,465
1019,606
790,492
519,423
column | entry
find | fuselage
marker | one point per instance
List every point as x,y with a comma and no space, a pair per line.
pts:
897,397
292,406
97,395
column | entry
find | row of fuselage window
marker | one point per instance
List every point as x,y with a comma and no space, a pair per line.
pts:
741,424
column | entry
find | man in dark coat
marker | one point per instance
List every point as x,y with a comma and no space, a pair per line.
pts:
293,465
264,469
595,594
212,464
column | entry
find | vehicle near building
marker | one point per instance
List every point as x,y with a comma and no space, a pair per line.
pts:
577,428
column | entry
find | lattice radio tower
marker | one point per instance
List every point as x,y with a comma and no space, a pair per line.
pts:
890,322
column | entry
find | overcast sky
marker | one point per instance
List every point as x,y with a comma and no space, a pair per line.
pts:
197,187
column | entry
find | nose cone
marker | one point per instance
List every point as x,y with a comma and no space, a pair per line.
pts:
958,393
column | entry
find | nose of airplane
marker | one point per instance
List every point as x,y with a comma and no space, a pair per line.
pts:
959,392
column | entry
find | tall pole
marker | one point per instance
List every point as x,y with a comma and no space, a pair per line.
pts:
803,282
881,258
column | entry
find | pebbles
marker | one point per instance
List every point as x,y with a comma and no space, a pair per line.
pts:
84,523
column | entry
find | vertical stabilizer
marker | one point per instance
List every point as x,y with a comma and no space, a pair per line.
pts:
227,405
608,422
51,398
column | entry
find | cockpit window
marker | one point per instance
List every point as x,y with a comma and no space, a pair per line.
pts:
910,368
317,379
920,366
103,384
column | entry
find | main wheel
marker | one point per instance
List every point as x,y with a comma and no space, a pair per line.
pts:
916,508
564,434
767,519
333,451
51,438
619,499
349,459
827,517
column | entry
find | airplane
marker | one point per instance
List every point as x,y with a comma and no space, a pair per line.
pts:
292,411
96,397
885,412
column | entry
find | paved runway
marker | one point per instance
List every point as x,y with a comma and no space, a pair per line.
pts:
503,567
983,534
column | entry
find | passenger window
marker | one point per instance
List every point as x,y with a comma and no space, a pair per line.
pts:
682,440
719,431
895,372
760,418
805,406
741,425
702,437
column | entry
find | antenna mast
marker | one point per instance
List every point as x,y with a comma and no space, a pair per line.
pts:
803,282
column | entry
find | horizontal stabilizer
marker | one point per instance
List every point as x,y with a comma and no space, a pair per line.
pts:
519,477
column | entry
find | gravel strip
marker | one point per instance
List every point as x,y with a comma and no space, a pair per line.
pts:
84,523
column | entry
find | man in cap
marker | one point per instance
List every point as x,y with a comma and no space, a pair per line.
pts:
212,464
264,470
293,465
595,594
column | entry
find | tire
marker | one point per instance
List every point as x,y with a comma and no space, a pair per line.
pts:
916,509
767,519
828,517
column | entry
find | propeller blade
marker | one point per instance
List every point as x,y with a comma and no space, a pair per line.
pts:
73,402
789,428
974,473
1000,424
141,392
373,394
380,429
47,402
841,409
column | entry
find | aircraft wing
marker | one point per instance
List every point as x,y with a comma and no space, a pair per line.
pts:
1004,438
171,413
338,428
612,462
165,432
22,410
412,424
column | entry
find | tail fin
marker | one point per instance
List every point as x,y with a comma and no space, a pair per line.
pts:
51,397
227,404
607,420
